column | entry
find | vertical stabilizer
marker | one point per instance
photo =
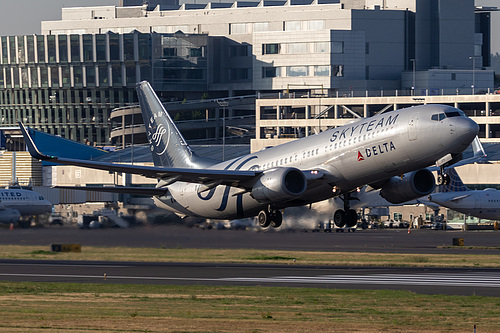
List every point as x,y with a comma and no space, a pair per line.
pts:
455,185
168,147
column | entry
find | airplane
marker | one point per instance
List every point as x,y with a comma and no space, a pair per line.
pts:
374,151
484,204
17,203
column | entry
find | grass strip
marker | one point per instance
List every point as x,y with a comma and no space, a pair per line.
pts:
252,256
43,307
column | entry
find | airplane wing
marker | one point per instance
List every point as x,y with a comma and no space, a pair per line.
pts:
238,178
146,191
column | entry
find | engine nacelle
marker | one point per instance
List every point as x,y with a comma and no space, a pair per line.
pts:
413,185
279,185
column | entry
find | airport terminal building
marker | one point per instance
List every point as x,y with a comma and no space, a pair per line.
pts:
68,80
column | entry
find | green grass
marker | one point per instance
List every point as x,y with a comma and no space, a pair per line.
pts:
253,256
42,307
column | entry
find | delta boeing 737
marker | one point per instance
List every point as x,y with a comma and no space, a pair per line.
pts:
388,152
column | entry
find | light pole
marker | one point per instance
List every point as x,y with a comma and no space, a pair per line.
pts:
223,104
473,73
413,86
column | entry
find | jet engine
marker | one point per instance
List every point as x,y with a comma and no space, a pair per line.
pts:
279,185
412,186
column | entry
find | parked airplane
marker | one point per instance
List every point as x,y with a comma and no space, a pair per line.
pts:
484,204
335,162
15,203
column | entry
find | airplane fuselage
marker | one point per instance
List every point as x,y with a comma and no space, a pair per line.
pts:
484,204
26,202
362,152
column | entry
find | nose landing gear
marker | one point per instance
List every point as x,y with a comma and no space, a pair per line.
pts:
443,178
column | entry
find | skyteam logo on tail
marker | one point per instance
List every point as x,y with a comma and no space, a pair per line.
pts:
157,137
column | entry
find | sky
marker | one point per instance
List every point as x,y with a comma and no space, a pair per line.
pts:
35,11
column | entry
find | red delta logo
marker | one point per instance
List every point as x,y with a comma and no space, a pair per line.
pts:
360,156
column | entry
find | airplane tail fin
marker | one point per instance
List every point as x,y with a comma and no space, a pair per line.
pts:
168,147
455,185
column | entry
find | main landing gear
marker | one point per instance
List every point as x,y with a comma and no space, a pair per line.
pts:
346,217
270,217
443,178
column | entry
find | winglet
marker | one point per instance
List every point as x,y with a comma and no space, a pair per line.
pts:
478,149
33,150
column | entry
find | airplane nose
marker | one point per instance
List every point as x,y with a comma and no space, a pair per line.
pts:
464,129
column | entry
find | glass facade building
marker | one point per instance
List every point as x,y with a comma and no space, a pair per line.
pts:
67,85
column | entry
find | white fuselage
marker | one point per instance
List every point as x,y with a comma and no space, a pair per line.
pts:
363,152
483,204
26,202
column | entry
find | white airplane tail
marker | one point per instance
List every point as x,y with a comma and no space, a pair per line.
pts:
168,147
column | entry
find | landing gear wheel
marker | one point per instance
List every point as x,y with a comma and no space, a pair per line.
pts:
276,219
351,218
339,218
264,219
443,179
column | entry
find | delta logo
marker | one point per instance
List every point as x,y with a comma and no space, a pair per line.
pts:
360,156
376,150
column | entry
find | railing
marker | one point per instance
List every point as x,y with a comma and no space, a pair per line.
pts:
379,93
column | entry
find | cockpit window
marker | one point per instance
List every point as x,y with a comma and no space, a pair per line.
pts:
450,114
438,116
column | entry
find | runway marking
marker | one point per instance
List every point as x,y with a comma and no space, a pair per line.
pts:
490,280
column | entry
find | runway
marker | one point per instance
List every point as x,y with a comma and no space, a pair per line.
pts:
422,280
174,236
485,282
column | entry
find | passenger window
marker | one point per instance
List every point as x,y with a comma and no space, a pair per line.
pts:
317,151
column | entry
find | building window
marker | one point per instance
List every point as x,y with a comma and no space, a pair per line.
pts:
338,47
238,51
321,70
237,74
88,49
321,47
294,71
293,26
453,76
316,25
298,48
90,76
270,72
128,47
170,52
75,48
271,48
238,28
182,28
338,70
63,48
51,48
261,26
196,52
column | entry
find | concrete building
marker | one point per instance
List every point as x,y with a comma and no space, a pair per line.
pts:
67,80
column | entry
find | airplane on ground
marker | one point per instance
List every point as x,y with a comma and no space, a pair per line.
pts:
484,204
375,151
17,203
